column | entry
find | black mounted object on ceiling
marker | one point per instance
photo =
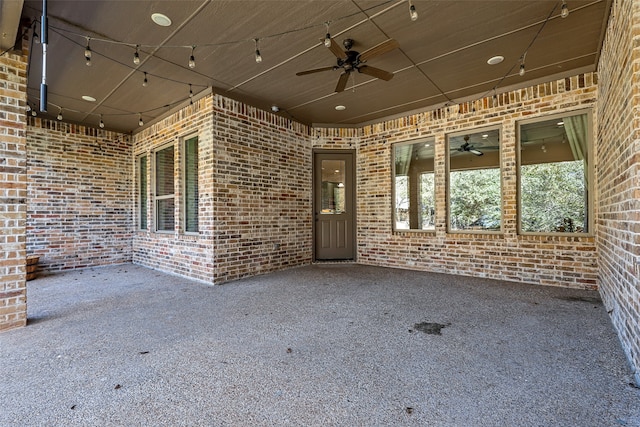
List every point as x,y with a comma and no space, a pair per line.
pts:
351,60
44,39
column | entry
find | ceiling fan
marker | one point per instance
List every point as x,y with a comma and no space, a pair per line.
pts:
351,60
470,148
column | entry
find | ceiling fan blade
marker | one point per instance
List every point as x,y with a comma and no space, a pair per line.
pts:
375,72
342,82
475,151
379,49
317,70
336,49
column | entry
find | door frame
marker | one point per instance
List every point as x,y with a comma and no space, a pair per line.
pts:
314,198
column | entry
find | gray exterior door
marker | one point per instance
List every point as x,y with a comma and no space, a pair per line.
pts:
334,205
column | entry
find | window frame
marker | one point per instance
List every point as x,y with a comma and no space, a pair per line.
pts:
156,198
183,175
469,131
420,140
140,193
590,173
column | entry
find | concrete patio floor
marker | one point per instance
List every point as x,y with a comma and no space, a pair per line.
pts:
327,344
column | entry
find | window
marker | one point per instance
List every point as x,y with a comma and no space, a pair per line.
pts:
414,186
190,201
165,202
554,174
142,192
475,197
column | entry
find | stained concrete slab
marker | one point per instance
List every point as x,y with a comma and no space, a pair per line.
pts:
342,345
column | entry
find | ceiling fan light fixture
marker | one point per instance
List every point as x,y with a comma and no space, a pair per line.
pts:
161,19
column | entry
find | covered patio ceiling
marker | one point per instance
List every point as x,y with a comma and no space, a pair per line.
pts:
441,59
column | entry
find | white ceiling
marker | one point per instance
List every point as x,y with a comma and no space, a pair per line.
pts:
442,56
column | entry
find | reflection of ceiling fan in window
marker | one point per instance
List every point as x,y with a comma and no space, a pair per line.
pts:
351,60
470,148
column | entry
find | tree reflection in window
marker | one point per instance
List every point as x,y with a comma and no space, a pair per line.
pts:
414,189
554,175
475,199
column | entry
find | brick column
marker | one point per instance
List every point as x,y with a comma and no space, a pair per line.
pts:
13,190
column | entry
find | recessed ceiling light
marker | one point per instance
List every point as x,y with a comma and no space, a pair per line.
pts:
161,19
88,98
340,107
495,60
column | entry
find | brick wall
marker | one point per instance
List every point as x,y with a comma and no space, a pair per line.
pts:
13,190
262,191
79,195
618,175
548,260
254,185
176,252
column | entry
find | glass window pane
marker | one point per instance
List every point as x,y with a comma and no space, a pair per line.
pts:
414,204
164,183
427,201
554,175
164,172
191,184
333,187
142,192
165,214
475,197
